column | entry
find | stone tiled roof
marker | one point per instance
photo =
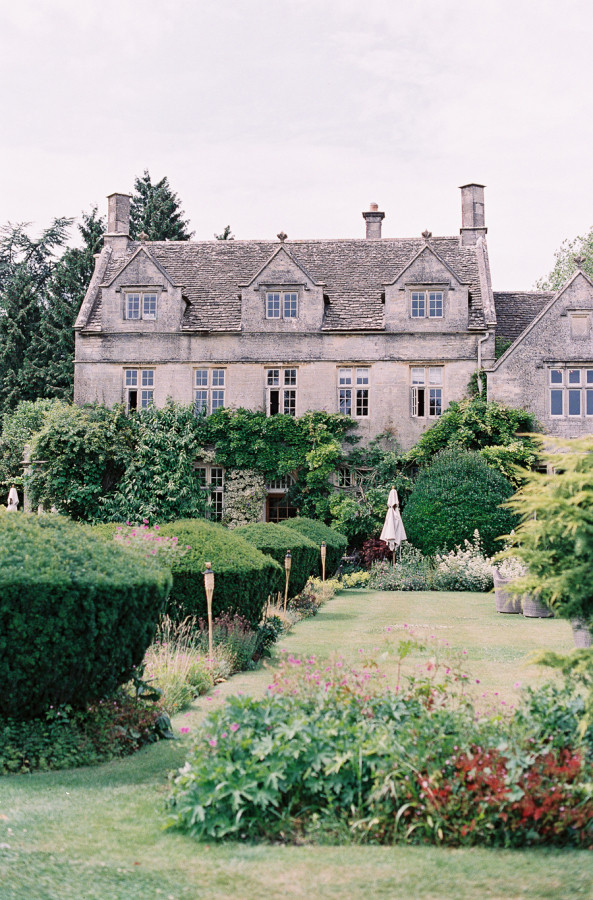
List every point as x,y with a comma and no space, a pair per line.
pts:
353,272
515,310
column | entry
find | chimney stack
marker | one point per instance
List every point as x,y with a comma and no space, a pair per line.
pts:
118,222
472,214
373,219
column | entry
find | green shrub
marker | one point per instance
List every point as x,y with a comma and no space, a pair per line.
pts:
453,497
18,427
317,532
411,572
331,753
275,541
64,738
76,614
243,576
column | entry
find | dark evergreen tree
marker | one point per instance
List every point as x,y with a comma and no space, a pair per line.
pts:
225,235
26,268
50,364
156,210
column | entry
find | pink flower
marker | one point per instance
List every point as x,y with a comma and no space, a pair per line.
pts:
213,742
234,726
184,730
156,527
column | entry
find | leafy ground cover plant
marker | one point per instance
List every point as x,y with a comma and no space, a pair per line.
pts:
64,738
330,753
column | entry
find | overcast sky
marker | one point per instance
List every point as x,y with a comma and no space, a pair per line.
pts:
295,114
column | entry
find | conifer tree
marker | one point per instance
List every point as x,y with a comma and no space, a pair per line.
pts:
26,267
156,210
50,364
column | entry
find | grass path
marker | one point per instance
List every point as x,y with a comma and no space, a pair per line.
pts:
96,833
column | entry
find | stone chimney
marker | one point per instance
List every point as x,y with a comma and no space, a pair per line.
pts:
118,222
373,218
472,214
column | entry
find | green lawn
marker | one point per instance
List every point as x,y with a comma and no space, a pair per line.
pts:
96,833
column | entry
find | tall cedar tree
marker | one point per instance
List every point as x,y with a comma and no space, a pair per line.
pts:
50,364
26,268
156,211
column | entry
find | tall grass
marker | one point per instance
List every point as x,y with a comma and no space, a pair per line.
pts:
176,664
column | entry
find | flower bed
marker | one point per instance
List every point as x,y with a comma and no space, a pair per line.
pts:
329,753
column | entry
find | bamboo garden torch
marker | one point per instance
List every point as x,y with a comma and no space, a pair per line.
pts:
209,588
323,554
287,565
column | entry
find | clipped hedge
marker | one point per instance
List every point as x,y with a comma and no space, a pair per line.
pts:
317,532
275,540
243,576
76,613
453,497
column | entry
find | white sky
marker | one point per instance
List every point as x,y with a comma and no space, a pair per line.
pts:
295,114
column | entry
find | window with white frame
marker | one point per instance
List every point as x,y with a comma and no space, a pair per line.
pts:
211,482
140,305
426,304
209,388
571,391
139,388
353,391
426,391
281,388
282,304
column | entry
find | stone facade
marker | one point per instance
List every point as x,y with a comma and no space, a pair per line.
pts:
387,330
548,369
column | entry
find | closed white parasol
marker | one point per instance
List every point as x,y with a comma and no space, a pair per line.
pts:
393,530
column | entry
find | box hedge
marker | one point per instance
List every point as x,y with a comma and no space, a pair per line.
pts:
76,613
276,540
243,576
317,532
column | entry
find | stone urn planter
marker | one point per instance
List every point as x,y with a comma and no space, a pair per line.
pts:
506,601
581,633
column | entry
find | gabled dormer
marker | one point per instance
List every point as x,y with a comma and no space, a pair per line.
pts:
426,296
139,295
282,296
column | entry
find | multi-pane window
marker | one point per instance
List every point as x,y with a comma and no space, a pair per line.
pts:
140,305
427,391
353,392
211,482
209,386
571,392
427,304
282,305
281,387
139,388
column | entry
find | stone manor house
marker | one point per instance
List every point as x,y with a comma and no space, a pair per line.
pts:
386,330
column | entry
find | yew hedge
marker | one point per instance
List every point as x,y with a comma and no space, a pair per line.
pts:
276,541
77,613
243,576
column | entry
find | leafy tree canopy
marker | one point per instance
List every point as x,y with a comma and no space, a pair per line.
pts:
565,265
502,435
156,210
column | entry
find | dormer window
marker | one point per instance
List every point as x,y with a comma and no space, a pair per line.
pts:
282,304
427,304
140,305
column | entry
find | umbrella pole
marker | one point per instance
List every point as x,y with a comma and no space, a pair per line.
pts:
393,561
